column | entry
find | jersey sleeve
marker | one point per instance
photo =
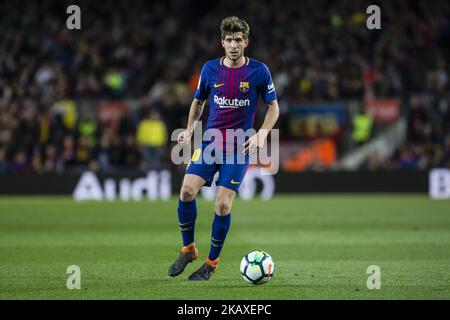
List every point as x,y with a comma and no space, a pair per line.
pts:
202,92
268,88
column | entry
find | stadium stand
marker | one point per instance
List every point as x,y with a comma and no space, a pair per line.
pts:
72,100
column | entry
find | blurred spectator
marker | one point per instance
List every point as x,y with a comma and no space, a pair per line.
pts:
101,154
83,152
445,161
19,163
362,127
68,152
3,163
115,84
152,138
87,130
51,162
131,157
408,159
36,163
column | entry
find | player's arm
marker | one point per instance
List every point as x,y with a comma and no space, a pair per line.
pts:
257,141
195,112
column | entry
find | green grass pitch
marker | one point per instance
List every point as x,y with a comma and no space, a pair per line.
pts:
321,245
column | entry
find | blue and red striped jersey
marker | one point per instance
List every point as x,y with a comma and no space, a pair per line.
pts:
234,92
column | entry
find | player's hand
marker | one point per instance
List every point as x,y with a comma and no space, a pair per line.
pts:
185,136
254,143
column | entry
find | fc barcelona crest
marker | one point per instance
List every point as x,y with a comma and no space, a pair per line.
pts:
244,86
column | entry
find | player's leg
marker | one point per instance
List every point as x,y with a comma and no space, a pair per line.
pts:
187,214
230,178
198,173
221,222
220,227
187,207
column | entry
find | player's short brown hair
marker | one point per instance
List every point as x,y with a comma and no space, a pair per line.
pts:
233,24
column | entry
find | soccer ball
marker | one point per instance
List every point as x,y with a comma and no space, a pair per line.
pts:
257,267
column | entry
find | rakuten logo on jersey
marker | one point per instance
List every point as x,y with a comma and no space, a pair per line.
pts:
223,102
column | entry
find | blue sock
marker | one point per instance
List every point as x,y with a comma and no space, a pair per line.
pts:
220,227
187,213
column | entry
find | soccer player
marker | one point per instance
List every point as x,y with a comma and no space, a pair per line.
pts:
234,83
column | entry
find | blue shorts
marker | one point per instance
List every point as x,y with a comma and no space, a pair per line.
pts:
231,173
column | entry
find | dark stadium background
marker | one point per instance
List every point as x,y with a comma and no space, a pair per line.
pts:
72,102
320,53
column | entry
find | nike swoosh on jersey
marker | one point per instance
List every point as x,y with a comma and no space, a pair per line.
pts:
218,85
234,182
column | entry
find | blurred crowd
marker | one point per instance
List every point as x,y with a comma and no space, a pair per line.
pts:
428,135
151,51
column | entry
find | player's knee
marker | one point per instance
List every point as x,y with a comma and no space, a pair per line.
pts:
223,207
187,193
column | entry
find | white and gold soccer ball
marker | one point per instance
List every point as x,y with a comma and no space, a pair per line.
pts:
257,267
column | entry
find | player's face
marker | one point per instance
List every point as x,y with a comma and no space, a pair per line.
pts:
234,45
